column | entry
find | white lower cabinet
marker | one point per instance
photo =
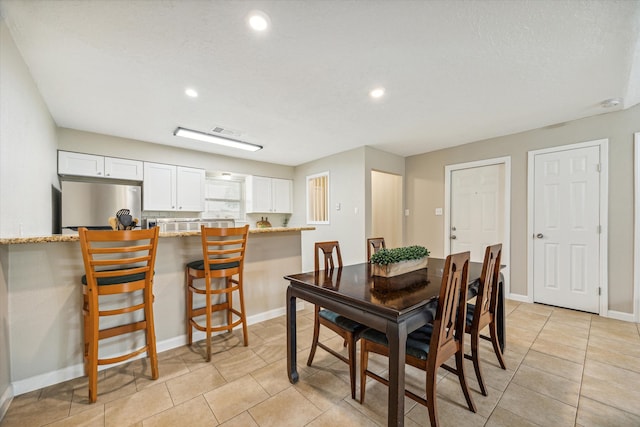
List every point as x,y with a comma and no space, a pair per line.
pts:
172,188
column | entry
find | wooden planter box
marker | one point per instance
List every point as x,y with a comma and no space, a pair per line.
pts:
399,268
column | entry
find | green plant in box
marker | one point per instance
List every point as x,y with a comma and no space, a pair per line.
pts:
394,255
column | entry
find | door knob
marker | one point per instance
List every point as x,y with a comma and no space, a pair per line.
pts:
453,237
539,235
453,229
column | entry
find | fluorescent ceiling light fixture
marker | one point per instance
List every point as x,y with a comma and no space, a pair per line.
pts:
259,21
207,137
192,93
377,92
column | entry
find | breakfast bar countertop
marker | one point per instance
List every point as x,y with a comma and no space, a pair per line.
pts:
53,238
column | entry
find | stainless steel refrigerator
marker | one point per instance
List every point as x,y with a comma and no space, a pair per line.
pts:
90,204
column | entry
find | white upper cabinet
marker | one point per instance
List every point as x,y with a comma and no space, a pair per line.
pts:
80,164
172,188
268,195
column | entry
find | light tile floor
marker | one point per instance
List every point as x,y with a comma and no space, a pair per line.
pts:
565,368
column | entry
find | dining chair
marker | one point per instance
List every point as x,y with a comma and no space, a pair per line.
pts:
430,346
482,313
374,244
117,263
349,330
223,250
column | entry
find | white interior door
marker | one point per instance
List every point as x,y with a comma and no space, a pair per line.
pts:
477,209
566,227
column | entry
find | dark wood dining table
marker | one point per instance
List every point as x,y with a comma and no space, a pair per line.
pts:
396,306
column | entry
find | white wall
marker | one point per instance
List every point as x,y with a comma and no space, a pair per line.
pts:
27,172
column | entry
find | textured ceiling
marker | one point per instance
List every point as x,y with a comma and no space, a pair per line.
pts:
454,71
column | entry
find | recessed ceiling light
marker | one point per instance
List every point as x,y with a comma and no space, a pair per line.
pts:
259,21
192,93
377,92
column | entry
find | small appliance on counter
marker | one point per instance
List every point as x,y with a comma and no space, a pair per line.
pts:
263,223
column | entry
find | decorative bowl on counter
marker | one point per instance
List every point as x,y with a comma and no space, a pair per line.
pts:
263,223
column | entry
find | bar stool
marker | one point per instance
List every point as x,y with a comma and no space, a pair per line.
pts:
117,262
224,250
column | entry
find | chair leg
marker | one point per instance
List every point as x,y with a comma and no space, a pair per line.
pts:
364,365
243,313
352,364
208,316
463,380
229,297
431,396
92,355
87,333
496,346
316,334
475,357
189,304
151,333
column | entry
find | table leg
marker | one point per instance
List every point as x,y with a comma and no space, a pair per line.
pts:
292,369
397,336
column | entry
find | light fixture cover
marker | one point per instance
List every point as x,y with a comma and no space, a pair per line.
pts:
215,139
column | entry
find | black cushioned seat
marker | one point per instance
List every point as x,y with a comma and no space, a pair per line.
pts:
417,341
199,265
343,322
116,280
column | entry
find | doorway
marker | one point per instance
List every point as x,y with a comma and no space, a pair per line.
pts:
386,212
567,245
477,209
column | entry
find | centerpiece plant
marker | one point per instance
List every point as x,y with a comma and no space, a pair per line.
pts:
396,261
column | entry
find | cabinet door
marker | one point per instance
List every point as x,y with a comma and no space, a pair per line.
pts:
190,189
123,168
159,187
80,164
282,190
258,196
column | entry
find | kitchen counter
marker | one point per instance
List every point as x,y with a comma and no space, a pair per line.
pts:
42,277
54,238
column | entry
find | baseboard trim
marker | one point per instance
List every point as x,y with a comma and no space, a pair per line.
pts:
620,315
519,298
70,372
5,401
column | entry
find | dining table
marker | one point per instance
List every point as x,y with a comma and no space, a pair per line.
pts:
394,305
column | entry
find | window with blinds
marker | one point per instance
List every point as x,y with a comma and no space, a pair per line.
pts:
224,199
318,198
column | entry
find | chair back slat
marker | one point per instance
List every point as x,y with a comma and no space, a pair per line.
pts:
221,245
374,244
116,253
449,323
327,249
488,290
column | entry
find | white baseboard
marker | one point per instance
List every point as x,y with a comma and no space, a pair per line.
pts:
75,371
619,315
519,298
5,401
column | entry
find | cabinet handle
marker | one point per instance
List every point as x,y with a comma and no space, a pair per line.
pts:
99,173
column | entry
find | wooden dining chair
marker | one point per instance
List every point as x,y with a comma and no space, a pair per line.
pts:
483,312
349,330
430,346
374,244
117,263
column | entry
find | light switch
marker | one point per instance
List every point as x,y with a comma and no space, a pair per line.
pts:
338,206
406,212
438,211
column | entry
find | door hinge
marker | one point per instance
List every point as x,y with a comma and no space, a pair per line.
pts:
599,229
598,167
599,290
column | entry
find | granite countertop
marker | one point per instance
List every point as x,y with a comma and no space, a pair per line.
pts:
54,238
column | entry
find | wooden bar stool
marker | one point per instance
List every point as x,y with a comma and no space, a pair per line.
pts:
223,249
117,262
